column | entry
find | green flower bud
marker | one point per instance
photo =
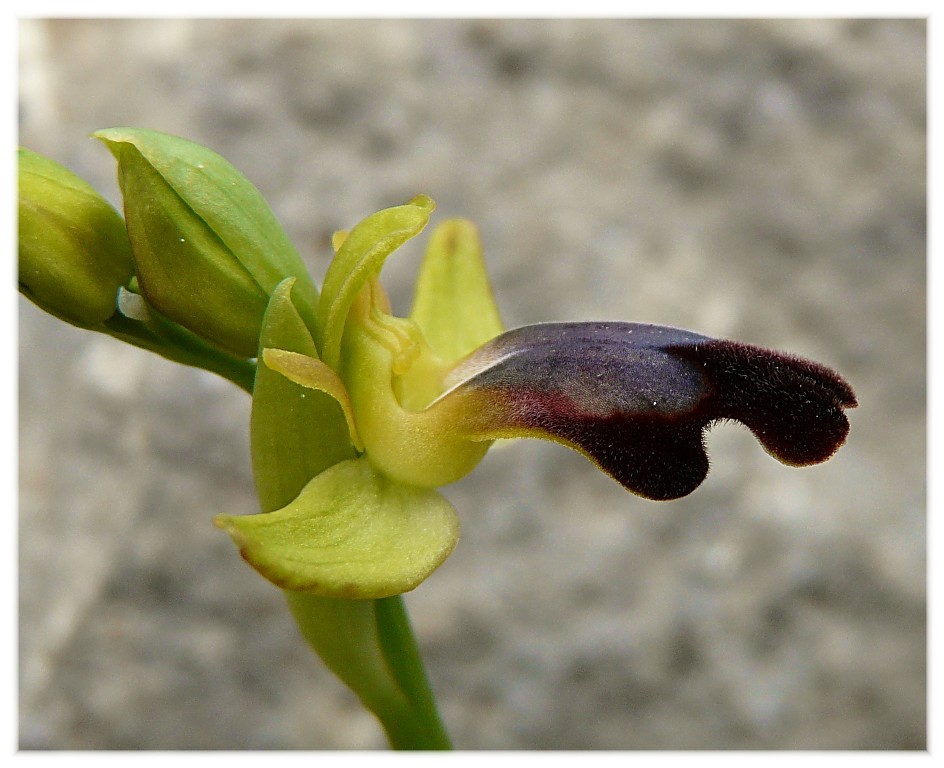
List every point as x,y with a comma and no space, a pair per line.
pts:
73,248
207,248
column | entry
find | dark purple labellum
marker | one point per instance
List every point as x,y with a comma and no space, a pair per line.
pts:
637,399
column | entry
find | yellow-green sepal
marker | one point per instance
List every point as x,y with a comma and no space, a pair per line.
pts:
295,432
351,533
359,257
454,304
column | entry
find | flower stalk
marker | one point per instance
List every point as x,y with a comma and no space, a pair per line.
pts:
399,694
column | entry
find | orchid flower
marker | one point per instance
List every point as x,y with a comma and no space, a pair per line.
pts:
358,416
423,398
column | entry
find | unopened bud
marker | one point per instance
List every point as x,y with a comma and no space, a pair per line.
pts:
207,249
74,252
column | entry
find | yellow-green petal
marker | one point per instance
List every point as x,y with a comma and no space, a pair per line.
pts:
454,304
351,533
310,372
360,256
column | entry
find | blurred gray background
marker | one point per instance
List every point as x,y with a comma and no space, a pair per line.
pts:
763,180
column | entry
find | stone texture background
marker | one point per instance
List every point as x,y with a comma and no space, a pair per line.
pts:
763,180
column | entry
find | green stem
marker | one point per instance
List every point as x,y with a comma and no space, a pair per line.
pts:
370,646
424,729
176,343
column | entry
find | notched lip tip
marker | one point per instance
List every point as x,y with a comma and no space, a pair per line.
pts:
844,393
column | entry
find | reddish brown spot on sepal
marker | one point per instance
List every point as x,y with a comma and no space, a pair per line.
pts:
637,399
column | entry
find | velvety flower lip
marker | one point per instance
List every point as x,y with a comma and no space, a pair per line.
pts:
637,399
